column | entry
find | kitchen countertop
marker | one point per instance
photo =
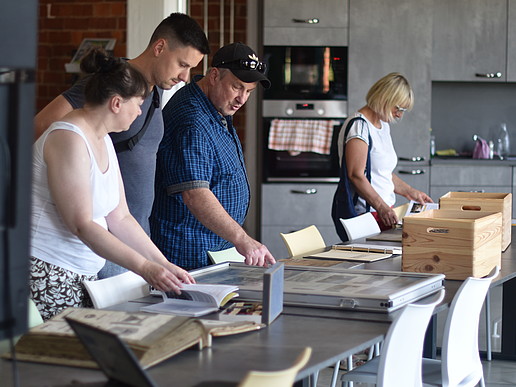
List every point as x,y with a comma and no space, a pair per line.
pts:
469,161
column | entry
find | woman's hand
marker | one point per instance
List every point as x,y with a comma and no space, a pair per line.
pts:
418,196
387,215
166,277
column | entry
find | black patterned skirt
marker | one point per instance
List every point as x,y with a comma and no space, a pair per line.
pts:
54,289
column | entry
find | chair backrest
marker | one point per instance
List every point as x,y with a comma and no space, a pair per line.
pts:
115,290
360,226
228,255
402,351
460,357
283,378
304,240
34,316
33,319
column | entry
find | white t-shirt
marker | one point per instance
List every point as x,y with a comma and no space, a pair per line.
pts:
383,157
51,241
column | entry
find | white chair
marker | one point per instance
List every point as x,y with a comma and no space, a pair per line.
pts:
33,319
228,255
460,364
303,241
400,361
283,378
115,290
360,226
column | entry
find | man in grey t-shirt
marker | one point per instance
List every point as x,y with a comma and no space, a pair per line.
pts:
177,45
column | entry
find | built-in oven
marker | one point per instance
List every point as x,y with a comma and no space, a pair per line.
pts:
288,166
308,83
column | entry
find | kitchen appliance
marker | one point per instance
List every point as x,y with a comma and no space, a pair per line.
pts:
308,83
285,166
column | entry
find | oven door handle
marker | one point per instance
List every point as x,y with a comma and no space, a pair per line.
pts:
313,20
308,191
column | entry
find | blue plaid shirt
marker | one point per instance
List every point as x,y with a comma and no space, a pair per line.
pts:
200,149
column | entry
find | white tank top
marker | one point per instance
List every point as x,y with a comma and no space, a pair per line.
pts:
51,241
383,158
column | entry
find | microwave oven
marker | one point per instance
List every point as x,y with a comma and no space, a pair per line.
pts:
306,72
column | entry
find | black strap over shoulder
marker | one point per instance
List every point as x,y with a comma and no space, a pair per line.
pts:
129,144
344,200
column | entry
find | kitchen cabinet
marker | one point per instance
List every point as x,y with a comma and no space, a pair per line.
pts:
511,42
514,192
288,207
474,40
305,23
476,178
396,37
416,174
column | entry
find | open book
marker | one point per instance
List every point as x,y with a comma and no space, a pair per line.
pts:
152,337
351,255
198,300
370,248
413,207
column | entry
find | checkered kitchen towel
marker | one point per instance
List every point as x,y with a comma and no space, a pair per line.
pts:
297,136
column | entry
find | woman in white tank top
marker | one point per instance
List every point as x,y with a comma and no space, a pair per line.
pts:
79,212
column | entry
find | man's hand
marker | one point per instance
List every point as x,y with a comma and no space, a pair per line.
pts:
255,253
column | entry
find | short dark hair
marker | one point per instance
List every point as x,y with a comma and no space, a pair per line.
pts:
179,27
111,76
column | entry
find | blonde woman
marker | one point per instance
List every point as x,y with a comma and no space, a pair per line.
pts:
368,158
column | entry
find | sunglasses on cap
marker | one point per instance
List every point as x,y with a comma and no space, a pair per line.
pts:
245,64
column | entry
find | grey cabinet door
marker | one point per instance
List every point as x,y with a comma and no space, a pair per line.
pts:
469,178
471,175
292,22
393,36
416,175
511,41
469,38
291,207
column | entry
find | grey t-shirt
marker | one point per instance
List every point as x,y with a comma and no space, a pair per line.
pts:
138,166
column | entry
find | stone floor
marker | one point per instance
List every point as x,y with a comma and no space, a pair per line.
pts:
497,373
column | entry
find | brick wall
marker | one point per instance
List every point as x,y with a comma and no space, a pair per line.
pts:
214,26
63,24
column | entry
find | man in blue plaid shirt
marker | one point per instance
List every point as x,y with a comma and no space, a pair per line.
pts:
202,191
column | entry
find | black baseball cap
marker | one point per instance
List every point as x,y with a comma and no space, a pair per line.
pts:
243,63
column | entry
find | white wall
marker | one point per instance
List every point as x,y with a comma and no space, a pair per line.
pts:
142,18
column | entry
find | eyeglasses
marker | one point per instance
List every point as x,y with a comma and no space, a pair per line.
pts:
400,109
246,64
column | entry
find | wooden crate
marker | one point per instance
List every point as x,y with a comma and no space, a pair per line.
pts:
459,244
482,201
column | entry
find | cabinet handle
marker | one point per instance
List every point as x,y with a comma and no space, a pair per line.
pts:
489,75
414,158
308,191
412,172
313,20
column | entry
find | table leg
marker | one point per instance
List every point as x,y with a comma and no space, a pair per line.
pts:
430,345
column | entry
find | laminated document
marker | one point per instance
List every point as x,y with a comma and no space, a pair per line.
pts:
322,287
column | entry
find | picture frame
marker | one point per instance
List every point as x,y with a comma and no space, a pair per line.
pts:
86,45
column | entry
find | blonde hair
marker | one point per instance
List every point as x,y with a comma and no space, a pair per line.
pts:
388,92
